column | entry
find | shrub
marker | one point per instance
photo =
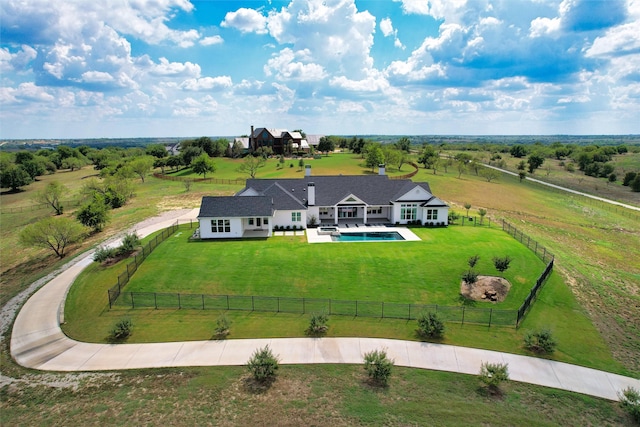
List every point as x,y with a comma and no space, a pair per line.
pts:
263,365
129,244
630,402
430,325
103,253
318,324
502,263
540,341
121,330
378,366
223,325
472,261
470,277
493,374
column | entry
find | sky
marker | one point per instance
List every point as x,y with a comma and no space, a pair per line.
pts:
180,68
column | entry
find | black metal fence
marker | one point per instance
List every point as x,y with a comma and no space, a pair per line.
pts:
38,207
455,314
543,254
115,291
537,248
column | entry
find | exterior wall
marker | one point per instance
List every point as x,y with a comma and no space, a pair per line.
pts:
247,225
205,229
313,211
443,216
384,216
283,219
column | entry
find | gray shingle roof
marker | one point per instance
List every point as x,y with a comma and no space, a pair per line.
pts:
235,206
372,189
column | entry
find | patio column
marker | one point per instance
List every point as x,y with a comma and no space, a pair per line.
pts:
335,214
365,214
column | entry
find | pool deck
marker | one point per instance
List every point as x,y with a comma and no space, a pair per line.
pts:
407,235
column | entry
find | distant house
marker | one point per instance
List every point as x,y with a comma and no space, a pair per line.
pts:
281,141
295,203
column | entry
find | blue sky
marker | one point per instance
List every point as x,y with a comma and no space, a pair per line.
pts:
151,68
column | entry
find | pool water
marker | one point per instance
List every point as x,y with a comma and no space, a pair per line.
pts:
369,236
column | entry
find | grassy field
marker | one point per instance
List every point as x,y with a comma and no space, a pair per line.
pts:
597,283
302,395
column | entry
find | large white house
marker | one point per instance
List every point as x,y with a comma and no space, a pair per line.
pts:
265,204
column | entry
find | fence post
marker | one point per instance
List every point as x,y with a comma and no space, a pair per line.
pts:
179,303
132,303
109,293
329,306
252,304
304,308
227,302
490,316
409,318
202,301
463,314
155,300
278,299
383,309
356,308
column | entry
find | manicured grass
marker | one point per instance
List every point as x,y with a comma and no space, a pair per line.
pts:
335,395
424,272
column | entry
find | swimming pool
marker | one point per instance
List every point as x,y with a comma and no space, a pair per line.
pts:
368,236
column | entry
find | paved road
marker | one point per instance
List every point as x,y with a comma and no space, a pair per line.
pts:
38,342
568,190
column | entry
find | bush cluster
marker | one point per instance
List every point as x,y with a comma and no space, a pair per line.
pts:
223,326
129,244
121,330
318,324
378,366
541,341
493,374
430,325
263,365
630,402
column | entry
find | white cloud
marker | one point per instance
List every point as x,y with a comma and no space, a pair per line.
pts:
246,21
213,40
386,26
290,65
207,83
17,61
621,40
175,69
544,26
97,77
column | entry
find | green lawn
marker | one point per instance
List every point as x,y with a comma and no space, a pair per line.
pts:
424,272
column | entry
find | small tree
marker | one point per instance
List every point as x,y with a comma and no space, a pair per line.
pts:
223,326
430,325
263,365
502,263
51,194
493,374
541,341
472,261
482,213
522,175
470,277
378,366
187,184
318,324
630,402
467,206
535,161
103,253
141,166
54,233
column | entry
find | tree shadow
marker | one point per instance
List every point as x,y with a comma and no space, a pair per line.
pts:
465,301
253,386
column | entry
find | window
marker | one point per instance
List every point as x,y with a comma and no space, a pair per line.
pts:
432,214
250,221
374,211
408,211
265,221
220,226
296,216
324,211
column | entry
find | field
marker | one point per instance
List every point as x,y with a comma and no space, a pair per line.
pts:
591,302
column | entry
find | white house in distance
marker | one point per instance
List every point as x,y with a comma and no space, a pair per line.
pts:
265,204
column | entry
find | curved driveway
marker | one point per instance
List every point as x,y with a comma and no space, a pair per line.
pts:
38,342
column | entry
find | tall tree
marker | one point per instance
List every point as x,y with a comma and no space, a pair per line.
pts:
51,195
14,177
374,156
251,165
326,145
403,144
54,233
94,214
141,166
535,161
203,164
